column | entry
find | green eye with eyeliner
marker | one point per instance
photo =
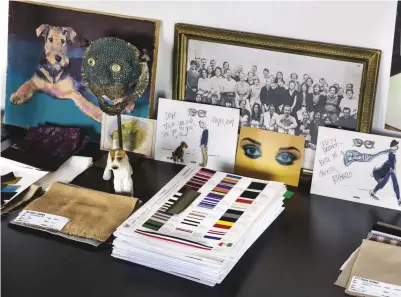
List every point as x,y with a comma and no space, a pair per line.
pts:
285,158
252,151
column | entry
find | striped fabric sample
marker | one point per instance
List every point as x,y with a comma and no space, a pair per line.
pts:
187,197
384,238
160,217
218,192
240,205
194,218
174,239
199,179
224,224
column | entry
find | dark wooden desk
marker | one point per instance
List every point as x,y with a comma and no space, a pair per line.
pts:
299,255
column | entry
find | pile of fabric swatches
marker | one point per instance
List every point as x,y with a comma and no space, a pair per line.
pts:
374,269
77,213
47,147
15,179
200,224
20,200
8,186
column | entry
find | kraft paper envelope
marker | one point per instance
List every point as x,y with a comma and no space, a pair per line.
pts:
344,276
378,262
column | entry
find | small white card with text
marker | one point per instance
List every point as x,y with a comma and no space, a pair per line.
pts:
41,220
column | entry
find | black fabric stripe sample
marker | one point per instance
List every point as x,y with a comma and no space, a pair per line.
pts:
7,177
189,224
7,195
386,228
249,194
237,212
195,222
257,186
227,219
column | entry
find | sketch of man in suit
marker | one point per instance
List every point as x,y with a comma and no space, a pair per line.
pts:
383,173
203,143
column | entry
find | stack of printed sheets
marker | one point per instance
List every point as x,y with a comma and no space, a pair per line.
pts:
200,224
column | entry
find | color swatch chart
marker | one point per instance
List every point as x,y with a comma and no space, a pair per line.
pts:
206,226
237,209
174,232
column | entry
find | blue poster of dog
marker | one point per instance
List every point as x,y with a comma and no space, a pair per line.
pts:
45,49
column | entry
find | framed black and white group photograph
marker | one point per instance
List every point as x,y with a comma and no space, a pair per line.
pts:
282,85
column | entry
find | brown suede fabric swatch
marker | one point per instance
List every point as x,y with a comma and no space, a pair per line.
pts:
93,214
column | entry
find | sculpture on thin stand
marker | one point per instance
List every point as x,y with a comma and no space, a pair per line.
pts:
117,74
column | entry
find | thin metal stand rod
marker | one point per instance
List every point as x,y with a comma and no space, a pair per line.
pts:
120,132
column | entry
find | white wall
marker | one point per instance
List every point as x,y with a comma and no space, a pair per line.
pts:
359,23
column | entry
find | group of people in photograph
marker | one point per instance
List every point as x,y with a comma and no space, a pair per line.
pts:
297,106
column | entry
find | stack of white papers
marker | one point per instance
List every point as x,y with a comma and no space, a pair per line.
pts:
200,224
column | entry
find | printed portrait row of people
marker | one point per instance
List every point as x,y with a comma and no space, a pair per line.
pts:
267,101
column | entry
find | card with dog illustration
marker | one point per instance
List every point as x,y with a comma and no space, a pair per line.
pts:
46,45
358,167
138,134
194,133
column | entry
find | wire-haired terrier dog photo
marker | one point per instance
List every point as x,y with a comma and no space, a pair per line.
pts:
52,72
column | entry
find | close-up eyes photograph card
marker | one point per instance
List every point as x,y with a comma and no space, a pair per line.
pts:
269,155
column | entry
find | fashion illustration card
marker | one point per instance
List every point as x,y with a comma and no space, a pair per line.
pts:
269,155
358,167
192,133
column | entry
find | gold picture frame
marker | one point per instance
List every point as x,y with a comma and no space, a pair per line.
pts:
369,58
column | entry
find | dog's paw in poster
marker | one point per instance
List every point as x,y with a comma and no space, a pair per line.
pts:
18,99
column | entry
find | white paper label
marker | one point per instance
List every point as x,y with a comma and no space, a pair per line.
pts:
373,288
41,219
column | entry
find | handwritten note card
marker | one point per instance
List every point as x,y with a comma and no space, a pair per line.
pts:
358,167
192,133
